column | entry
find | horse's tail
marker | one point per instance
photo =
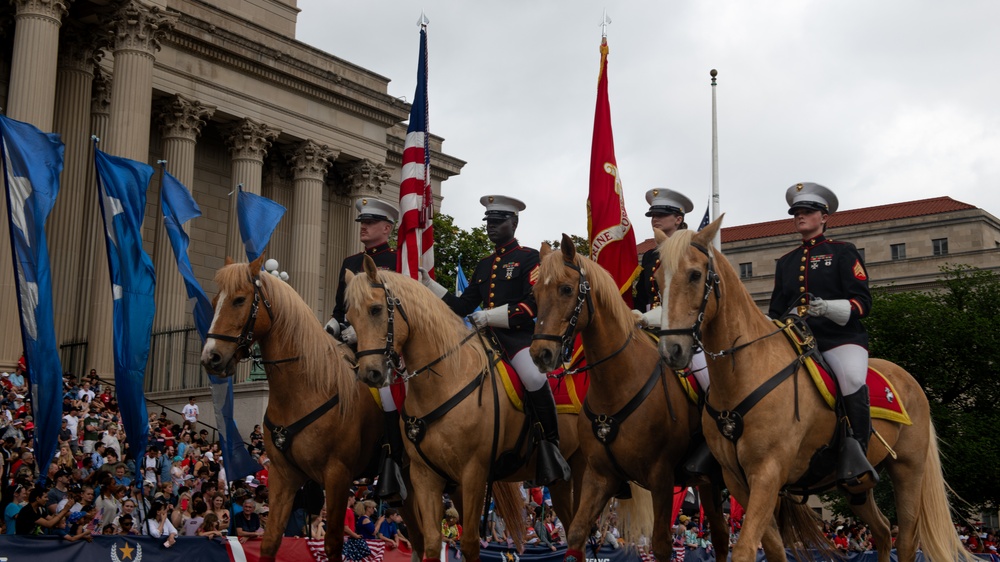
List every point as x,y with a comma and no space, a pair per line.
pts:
635,516
935,528
801,531
510,507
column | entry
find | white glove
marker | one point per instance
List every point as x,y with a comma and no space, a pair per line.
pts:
649,319
496,317
838,311
348,336
431,284
333,328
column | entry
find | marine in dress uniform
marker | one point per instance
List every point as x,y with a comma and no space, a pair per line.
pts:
377,218
826,282
502,284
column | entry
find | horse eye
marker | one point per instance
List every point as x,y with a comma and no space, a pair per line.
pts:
375,310
565,290
695,276
238,301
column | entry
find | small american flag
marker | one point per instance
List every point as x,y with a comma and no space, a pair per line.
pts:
416,203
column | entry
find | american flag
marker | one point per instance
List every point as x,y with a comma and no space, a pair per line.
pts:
416,229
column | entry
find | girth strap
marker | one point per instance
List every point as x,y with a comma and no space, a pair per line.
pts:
730,422
282,436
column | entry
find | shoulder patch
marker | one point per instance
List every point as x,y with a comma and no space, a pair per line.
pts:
859,271
533,276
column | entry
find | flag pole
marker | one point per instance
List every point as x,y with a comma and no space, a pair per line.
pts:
715,164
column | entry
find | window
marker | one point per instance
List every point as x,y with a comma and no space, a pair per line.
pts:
746,270
898,251
940,246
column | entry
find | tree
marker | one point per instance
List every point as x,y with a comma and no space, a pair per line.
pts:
581,244
947,339
452,242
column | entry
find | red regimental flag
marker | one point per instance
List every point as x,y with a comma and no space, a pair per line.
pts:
609,231
416,206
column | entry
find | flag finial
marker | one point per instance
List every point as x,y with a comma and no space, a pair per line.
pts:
605,22
423,21
713,73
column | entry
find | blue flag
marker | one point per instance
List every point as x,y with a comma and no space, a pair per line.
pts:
32,162
178,208
121,188
704,220
258,216
461,281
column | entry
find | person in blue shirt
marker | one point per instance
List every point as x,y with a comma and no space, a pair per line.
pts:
389,532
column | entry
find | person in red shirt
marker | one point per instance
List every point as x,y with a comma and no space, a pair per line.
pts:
840,541
349,522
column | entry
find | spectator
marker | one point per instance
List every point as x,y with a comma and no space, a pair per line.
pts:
86,393
126,526
193,523
210,527
541,531
72,420
191,411
389,531
159,525
121,478
20,498
218,507
33,516
58,492
247,522
151,464
110,438
498,529
451,532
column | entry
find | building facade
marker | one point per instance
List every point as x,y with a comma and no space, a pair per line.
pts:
221,91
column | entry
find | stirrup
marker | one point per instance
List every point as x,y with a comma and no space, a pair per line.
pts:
550,466
701,462
854,473
390,481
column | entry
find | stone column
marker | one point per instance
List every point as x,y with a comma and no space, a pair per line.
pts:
137,33
79,53
364,178
309,164
181,121
94,257
248,143
30,97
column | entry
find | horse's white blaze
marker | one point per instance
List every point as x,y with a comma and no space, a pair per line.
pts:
664,293
206,351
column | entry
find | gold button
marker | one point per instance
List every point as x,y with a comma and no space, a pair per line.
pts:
806,251
495,266
803,300
492,285
494,276
802,289
497,258
802,268
491,302
803,259
802,278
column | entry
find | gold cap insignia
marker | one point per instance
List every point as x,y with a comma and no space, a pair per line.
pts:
798,187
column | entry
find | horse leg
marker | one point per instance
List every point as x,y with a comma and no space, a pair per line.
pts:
473,497
662,541
877,522
761,503
337,484
427,490
284,481
593,497
562,500
907,486
409,513
717,520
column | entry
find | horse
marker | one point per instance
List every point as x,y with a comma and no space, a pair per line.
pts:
706,305
460,434
322,423
632,430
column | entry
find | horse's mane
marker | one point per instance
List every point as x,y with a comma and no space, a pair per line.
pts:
601,283
320,357
427,314
673,249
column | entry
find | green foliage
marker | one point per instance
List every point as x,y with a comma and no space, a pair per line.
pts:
947,339
581,244
450,242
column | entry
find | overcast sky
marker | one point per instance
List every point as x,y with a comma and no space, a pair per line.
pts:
882,102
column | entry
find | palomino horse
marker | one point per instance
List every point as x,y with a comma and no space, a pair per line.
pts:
705,304
639,421
323,424
458,423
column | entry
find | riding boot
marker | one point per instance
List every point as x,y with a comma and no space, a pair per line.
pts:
550,465
390,478
701,462
854,472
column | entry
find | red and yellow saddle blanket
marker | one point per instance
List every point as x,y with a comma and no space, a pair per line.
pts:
692,388
886,403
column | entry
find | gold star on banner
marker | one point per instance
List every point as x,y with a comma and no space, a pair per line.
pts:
126,551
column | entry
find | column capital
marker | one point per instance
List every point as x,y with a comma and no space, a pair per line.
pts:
365,177
81,46
182,117
311,160
138,27
46,9
249,139
100,103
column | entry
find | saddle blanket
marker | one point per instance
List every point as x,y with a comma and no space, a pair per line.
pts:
689,382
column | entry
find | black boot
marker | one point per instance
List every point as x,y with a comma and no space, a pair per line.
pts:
700,461
550,465
854,472
390,478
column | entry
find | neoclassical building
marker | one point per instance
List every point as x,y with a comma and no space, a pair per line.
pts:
224,93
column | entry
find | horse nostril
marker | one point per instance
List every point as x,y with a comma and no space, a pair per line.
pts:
546,357
216,359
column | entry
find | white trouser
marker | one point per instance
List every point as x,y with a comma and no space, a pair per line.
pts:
699,368
388,404
850,365
527,371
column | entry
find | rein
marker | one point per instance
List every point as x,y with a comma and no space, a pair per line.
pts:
246,337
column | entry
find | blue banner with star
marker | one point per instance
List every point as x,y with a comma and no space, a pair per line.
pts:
112,548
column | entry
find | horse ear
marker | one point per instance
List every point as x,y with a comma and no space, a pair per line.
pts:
567,247
545,250
659,236
256,264
229,261
348,275
371,269
707,234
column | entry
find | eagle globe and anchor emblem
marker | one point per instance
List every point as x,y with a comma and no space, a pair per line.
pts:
127,552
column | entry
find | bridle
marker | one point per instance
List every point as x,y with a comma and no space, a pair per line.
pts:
246,339
566,340
582,296
392,358
712,286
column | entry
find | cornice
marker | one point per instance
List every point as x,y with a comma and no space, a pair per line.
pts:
443,166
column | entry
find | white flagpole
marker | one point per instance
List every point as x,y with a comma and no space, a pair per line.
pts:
715,164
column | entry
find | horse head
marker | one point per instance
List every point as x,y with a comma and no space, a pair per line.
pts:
372,311
687,280
237,323
560,293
